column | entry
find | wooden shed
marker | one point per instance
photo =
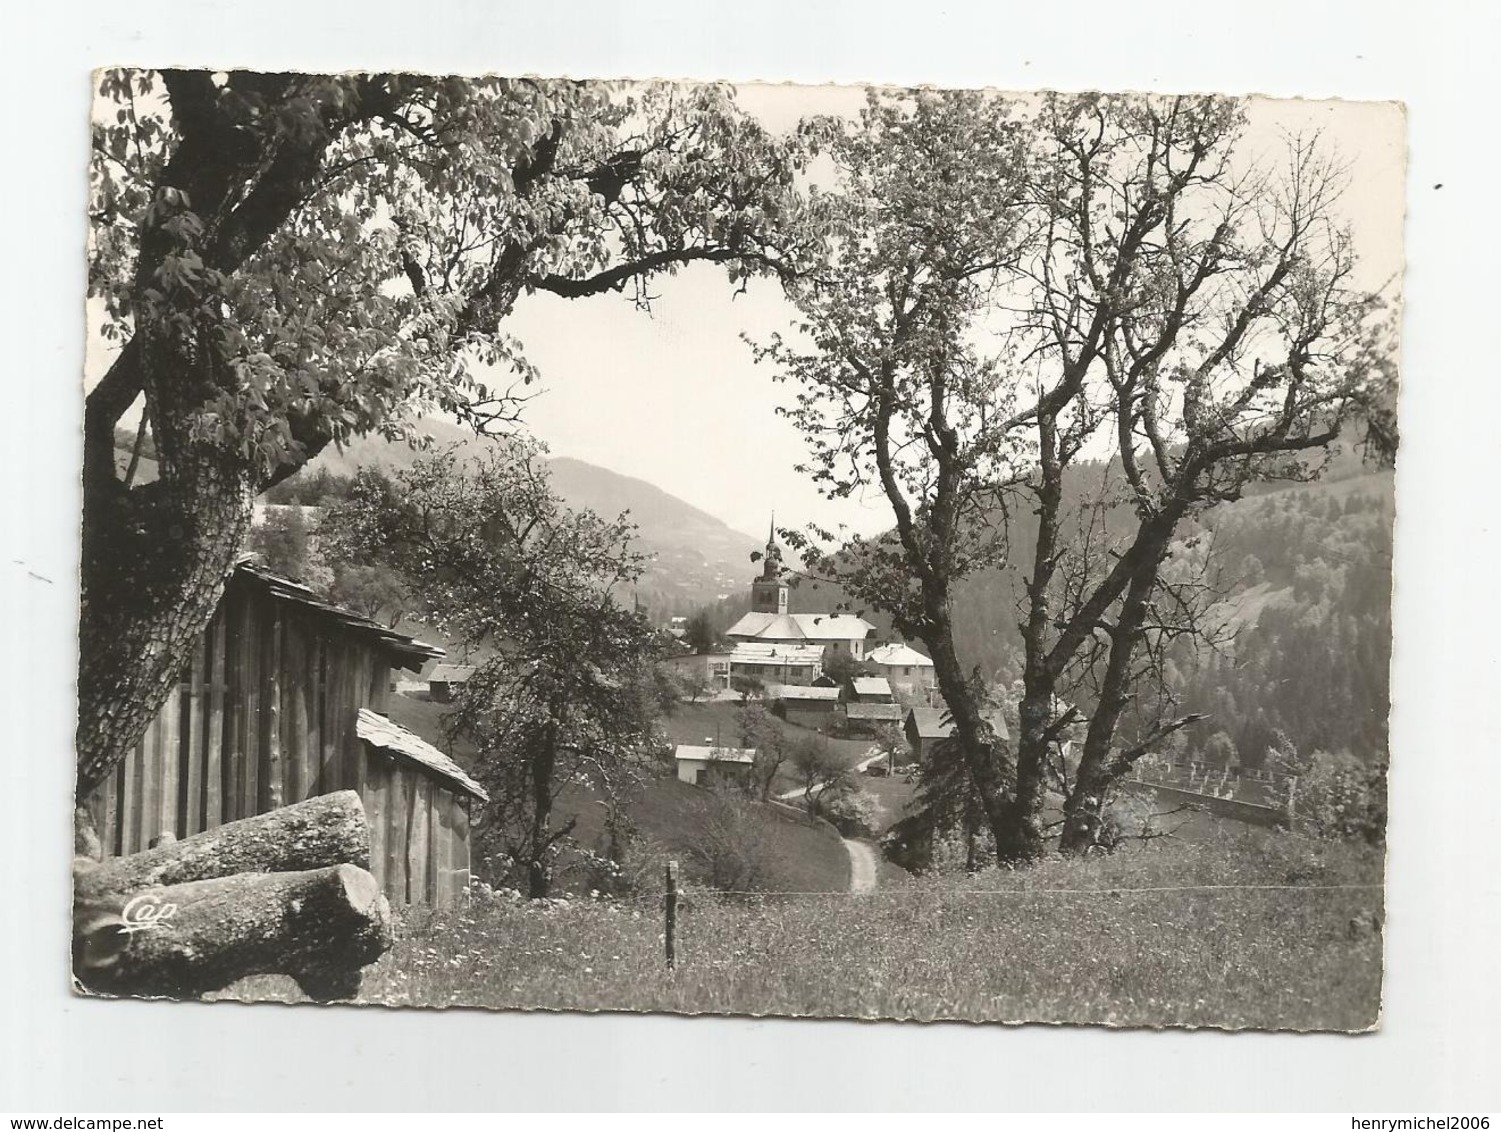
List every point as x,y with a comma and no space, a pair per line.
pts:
924,728
805,705
445,681
869,719
417,800
267,712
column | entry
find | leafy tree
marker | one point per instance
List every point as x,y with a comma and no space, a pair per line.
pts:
1015,285
765,734
377,591
701,635
492,556
695,686
281,542
819,768
286,261
749,687
842,668
729,849
852,811
320,488
892,743
892,391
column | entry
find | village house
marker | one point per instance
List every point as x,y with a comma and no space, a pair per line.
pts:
871,690
777,663
806,706
712,668
283,699
769,622
926,726
904,668
704,765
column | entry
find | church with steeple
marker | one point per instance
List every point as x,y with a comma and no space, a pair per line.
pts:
769,591
769,623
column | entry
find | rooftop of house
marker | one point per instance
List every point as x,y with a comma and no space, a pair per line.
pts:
758,652
892,712
384,735
802,627
898,655
801,692
696,753
931,724
411,653
872,686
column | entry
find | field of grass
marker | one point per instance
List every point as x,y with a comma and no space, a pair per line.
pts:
1119,940
800,854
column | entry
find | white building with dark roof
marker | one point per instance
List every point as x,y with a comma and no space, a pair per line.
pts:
777,663
700,765
903,667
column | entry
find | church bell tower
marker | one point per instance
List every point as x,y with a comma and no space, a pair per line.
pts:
769,592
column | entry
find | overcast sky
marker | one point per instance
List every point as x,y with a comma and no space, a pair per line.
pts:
673,396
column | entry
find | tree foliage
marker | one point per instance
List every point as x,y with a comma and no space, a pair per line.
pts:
491,556
1018,287
286,261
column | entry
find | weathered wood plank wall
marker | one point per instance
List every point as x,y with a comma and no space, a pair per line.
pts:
265,715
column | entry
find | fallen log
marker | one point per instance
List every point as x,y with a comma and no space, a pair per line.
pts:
184,940
327,830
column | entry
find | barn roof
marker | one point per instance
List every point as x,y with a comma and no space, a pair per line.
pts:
412,653
930,723
384,735
451,673
892,712
872,686
695,753
803,692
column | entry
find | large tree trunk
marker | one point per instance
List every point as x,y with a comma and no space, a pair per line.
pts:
978,744
330,829
185,940
155,563
1097,772
156,556
284,892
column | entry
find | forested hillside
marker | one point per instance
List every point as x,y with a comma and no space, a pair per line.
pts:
1304,572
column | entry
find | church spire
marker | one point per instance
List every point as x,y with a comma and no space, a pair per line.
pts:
769,592
772,560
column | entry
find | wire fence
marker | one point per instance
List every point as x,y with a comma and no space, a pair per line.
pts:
916,893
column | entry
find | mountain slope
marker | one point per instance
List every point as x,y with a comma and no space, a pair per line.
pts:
697,558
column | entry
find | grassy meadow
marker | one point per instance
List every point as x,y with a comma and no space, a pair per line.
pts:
1014,946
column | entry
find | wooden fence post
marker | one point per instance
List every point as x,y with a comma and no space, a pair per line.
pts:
672,913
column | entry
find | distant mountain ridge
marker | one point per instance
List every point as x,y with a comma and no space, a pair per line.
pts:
698,558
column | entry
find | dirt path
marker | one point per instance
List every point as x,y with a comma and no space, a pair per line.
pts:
862,866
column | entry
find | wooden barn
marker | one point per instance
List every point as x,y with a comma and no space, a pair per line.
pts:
804,705
870,719
925,727
277,705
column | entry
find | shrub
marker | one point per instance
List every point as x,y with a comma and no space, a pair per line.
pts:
854,813
729,850
1338,796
